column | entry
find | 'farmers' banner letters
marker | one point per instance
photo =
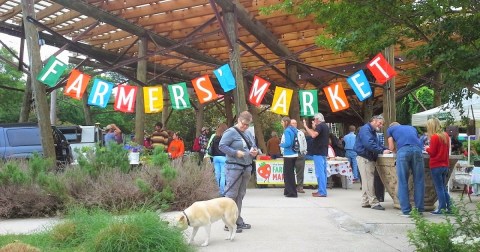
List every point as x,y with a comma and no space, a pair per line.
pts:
126,95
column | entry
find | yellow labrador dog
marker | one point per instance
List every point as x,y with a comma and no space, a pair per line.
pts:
204,213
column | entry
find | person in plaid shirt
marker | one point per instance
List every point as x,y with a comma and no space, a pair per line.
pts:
203,143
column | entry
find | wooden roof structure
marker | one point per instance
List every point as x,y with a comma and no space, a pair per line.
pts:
188,40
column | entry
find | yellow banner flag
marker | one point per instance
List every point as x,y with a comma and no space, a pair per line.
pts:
153,99
281,100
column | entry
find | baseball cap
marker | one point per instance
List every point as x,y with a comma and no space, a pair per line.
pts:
107,127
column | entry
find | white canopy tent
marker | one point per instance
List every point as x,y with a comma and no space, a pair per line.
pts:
470,106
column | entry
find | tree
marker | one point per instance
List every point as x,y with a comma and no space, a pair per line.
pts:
445,34
11,88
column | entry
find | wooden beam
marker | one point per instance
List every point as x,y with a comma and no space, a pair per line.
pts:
101,15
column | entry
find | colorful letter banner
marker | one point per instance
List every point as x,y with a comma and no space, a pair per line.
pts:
308,102
52,72
381,69
76,84
359,84
281,100
204,89
336,97
225,77
153,99
100,94
125,100
258,90
179,96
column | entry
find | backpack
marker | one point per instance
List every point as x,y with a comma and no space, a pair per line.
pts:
196,144
300,144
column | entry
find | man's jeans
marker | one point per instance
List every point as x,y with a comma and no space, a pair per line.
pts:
410,158
320,163
439,177
352,158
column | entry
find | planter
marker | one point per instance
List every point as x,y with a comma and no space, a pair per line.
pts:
134,157
388,175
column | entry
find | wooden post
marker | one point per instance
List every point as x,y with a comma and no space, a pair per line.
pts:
165,105
294,112
39,92
200,115
389,102
139,103
228,110
367,109
235,63
258,130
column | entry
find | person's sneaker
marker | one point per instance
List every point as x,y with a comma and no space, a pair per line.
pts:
244,226
406,215
366,206
239,230
378,207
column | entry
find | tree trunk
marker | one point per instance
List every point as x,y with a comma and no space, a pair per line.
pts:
258,130
294,112
139,108
389,101
39,92
27,101
437,86
86,110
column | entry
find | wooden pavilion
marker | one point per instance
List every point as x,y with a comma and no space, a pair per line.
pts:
170,41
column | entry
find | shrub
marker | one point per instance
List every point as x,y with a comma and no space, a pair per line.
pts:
12,174
459,232
18,247
27,201
192,184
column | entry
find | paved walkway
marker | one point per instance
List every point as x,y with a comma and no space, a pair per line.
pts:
335,223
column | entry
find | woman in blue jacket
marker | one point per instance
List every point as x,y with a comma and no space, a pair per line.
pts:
289,158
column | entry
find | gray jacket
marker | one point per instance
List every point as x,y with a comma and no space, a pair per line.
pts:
231,142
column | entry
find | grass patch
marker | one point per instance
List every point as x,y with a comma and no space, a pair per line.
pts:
98,230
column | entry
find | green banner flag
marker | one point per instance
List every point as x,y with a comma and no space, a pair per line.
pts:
52,72
179,97
308,102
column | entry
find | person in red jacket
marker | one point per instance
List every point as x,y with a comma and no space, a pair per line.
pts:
176,149
439,162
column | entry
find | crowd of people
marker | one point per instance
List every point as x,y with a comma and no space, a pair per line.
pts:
233,150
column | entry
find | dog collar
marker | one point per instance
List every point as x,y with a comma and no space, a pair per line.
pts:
188,221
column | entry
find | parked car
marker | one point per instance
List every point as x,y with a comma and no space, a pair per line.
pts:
81,136
22,140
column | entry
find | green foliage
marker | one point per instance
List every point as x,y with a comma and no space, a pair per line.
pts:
425,95
447,32
459,232
159,157
11,173
52,185
104,158
38,164
11,98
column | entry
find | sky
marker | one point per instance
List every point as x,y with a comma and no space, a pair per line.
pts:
45,50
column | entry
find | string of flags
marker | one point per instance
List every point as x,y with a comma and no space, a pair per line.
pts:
180,99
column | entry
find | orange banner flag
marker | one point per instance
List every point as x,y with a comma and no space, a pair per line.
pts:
76,84
336,97
204,89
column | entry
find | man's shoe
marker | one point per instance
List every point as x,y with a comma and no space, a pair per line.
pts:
300,190
378,207
366,206
316,194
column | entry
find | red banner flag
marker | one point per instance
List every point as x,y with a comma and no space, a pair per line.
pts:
258,90
381,69
125,100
